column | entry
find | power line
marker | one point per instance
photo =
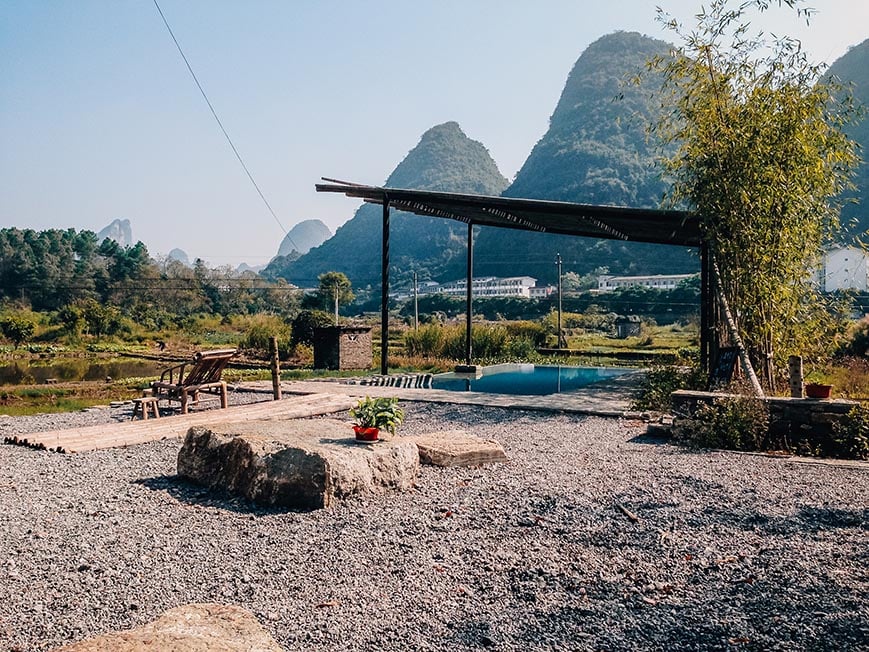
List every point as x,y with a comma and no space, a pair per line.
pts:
220,124
614,301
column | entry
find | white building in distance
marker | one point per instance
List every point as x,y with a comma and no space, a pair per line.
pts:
654,281
490,286
845,268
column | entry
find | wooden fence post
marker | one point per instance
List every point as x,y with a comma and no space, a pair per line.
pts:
276,368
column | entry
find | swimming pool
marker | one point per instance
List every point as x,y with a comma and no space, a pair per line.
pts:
525,379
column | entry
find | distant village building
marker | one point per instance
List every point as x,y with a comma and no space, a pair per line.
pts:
655,281
845,268
542,291
491,286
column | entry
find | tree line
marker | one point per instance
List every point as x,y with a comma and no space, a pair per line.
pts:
69,270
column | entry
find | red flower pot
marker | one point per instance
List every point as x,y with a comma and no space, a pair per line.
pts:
816,390
366,434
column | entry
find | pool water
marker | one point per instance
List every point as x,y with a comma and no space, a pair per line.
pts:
525,379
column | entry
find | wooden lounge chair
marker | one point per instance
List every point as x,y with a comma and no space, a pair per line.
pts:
185,381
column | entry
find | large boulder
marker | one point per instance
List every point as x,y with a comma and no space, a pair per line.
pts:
297,463
189,628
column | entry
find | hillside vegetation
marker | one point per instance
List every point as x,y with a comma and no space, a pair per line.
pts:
596,151
853,69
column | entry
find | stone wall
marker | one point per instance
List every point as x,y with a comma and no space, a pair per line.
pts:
342,347
792,418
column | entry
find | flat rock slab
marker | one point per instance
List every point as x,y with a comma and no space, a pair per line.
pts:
189,628
298,464
458,448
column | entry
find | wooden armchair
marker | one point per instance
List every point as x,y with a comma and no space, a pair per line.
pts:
183,382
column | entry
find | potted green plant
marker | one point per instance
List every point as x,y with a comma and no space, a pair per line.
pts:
371,415
815,388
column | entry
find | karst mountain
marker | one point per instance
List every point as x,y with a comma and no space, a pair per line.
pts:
596,151
445,159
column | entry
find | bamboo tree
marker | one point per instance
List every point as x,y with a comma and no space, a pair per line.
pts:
761,157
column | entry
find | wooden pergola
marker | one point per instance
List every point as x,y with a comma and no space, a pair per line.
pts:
677,228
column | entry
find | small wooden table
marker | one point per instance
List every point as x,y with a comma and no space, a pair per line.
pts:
144,405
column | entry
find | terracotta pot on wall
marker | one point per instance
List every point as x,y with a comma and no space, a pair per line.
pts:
817,390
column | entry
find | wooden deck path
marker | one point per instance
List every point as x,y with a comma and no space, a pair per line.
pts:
111,435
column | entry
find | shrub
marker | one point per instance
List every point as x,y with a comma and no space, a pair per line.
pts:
17,329
851,437
71,320
435,341
101,319
454,343
734,422
857,339
530,331
304,324
303,354
522,349
486,342
262,328
850,377
427,342
590,321
660,382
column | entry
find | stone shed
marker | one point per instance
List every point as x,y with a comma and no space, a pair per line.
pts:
628,326
342,347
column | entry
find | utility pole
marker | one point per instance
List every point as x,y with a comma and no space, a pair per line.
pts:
335,292
558,265
415,305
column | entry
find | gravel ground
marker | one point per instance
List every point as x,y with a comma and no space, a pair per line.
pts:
728,552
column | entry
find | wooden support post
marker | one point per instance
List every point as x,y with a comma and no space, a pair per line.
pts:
384,291
415,303
276,368
561,339
469,295
795,373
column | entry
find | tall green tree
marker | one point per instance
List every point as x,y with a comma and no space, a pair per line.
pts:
99,318
761,157
334,289
71,318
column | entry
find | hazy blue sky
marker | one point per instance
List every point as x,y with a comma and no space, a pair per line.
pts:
99,118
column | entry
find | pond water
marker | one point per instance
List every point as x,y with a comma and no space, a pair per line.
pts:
526,379
36,372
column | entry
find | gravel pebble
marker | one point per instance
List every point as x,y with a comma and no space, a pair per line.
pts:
728,551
